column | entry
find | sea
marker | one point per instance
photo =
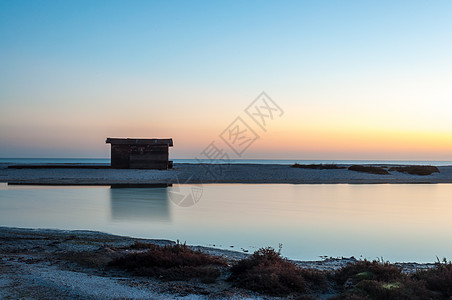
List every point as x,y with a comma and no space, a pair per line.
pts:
236,161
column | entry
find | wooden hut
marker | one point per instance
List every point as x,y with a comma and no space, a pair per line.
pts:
140,153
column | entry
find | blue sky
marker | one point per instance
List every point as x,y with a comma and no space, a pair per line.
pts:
75,72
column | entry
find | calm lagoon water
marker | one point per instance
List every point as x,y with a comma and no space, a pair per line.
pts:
399,222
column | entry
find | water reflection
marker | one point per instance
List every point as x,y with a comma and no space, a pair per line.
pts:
399,222
139,204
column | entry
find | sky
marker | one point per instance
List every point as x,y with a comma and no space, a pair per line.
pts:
354,79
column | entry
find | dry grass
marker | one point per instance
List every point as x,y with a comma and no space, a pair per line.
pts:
402,289
138,245
268,273
438,279
369,169
376,280
174,262
367,270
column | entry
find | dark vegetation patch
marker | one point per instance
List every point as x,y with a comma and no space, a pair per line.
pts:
172,262
405,288
83,258
367,270
376,280
267,272
369,169
91,259
138,245
438,279
318,166
379,170
416,170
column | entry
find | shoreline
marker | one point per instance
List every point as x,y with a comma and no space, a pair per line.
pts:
212,173
22,233
49,262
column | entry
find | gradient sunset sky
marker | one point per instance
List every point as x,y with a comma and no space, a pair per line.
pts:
356,79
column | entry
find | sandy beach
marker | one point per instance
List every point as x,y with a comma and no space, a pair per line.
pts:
205,173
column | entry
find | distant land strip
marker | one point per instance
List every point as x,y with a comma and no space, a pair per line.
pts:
212,173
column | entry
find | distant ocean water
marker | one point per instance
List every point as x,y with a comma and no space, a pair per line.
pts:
238,161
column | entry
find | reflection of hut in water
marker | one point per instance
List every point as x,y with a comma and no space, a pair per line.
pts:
140,153
139,204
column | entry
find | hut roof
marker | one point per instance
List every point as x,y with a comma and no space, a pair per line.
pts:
130,141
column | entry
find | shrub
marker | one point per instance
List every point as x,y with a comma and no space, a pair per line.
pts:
438,279
369,169
405,288
377,280
317,166
268,273
173,262
316,280
137,245
416,170
367,270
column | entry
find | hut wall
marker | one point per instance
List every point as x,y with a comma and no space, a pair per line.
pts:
148,157
120,156
139,156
